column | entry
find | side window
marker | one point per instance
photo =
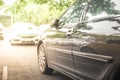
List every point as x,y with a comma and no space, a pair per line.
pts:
73,14
97,26
102,8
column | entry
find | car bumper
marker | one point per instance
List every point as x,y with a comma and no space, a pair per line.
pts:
24,41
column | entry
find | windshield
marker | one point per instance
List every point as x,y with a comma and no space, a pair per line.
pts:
23,26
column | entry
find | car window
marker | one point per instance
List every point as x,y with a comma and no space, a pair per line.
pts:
102,21
73,14
99,9
102,8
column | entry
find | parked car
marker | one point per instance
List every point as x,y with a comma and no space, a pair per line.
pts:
1,32
24,33
84,43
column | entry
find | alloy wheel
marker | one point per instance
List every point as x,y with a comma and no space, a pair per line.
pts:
41,59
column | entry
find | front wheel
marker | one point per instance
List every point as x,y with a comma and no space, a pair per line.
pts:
42,61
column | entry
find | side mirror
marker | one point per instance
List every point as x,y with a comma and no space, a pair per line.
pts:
55,23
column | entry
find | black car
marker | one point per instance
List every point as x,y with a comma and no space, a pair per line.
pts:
84,43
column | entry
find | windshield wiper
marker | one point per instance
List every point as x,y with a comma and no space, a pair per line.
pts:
111,18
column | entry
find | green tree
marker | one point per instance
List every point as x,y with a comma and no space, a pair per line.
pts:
38,11
43,11
1,3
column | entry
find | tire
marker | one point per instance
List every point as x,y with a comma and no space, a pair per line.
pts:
42,61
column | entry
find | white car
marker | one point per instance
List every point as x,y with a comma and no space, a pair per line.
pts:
24,33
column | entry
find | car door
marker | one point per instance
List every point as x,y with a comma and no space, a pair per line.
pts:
93,55
59,49
59,41
91,62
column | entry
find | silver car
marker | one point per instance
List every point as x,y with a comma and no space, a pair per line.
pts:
24,33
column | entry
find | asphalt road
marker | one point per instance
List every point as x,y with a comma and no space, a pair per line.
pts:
21,62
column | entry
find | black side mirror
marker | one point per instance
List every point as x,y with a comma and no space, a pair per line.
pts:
55,23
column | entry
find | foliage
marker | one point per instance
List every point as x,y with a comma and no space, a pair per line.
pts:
38,11
1,2
44,11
